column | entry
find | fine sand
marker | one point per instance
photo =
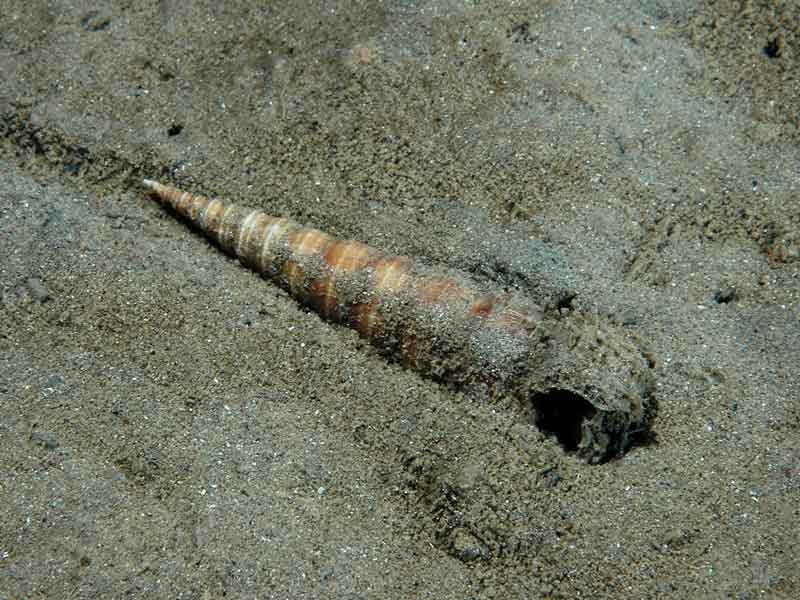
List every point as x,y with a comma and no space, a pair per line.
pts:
174,426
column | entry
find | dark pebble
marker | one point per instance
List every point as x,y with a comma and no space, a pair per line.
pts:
466,547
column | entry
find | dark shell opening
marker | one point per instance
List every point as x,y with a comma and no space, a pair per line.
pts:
561,413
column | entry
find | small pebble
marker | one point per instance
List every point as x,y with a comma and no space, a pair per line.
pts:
54,381
45,439
37,289
725,295
95,21
466,547
671,538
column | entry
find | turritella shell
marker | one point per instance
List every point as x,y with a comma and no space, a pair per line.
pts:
577,378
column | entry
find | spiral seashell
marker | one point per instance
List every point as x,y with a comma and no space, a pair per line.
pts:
580,381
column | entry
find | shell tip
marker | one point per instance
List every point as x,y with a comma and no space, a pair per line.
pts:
149,183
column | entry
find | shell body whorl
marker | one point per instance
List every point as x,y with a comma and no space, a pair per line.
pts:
439,323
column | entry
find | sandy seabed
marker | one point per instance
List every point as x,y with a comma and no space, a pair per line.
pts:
172,425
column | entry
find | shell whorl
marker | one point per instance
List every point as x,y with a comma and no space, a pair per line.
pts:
343,280
444,325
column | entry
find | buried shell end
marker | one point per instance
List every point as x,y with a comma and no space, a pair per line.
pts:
595,400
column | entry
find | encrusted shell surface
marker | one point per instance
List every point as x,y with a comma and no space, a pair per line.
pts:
596,384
